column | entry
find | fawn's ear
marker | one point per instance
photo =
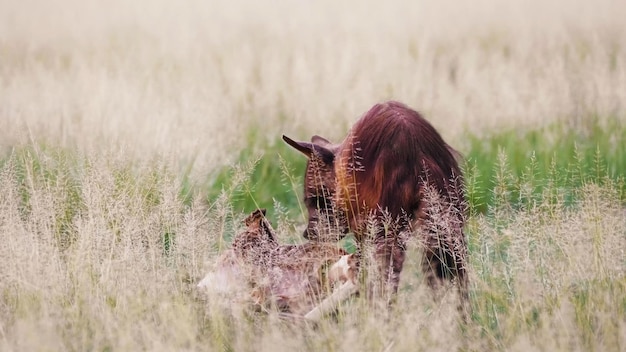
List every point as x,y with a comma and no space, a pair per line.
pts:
255,216
317,147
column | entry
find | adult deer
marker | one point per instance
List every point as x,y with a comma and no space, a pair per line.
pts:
393,176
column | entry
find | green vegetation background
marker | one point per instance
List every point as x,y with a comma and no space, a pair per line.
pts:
516,167
561,155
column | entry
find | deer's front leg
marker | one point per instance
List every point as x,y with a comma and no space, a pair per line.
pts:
389,256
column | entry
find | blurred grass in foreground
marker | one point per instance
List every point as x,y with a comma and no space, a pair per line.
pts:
99,254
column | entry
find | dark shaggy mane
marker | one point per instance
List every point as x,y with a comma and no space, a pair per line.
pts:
399,151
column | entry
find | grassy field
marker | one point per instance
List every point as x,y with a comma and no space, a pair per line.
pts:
135,136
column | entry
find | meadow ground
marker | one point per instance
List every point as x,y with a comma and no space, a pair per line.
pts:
134,137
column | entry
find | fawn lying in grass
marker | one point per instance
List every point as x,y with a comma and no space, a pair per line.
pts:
291,278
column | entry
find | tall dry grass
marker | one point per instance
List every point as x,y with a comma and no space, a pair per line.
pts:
96,256
104,105
100,256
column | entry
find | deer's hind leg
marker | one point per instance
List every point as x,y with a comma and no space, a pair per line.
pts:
440,267
464,307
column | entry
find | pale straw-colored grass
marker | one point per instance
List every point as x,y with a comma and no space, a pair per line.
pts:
103,103
120,273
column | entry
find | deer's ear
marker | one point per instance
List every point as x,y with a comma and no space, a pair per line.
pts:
319,140
303,147
328,150
309,149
